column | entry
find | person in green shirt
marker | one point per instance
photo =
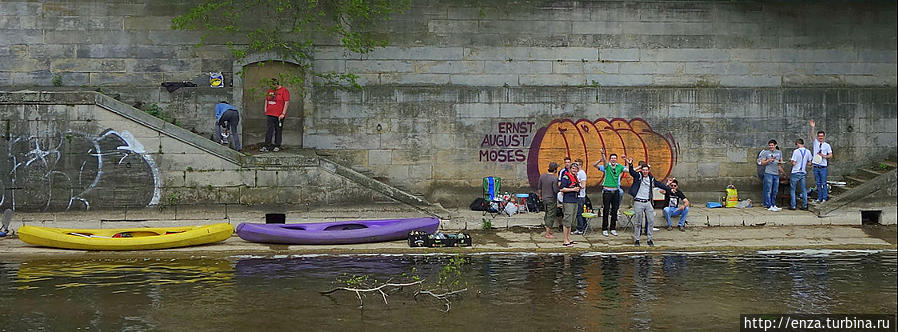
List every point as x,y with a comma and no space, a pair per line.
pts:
610,194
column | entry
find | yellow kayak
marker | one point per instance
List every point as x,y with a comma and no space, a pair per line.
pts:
125,238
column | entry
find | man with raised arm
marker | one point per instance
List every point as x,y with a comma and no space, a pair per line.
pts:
676,204
641,190
610,187
822,153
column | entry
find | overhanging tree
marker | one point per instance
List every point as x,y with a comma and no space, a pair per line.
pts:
291,29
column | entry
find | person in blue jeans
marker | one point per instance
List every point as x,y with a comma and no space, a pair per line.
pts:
676,204
822,153
771,159
801,158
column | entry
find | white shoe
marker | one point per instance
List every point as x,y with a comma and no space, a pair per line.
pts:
775,208
605,233
655,229
613,232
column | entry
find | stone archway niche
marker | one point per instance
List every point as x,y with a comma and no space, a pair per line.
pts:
249,92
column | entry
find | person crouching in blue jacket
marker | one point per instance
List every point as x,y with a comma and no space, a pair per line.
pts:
641,190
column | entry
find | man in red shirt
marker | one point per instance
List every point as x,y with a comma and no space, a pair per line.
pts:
277,99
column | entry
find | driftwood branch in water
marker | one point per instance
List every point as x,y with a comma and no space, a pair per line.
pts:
444,296
358,291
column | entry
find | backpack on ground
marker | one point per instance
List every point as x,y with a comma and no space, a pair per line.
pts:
479,204
534,204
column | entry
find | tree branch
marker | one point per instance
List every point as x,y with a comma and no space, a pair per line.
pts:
444,296
358,291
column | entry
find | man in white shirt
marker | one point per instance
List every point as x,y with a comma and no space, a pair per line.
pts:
581,199
801,158
822,152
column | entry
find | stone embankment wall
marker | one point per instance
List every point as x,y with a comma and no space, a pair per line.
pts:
74,151
499,88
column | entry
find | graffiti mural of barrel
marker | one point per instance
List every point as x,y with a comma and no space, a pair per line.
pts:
586,139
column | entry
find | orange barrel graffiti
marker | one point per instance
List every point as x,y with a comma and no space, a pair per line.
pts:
634,146
585,139
593,142
613,144
662,160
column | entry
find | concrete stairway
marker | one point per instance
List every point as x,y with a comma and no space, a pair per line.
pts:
293,158
860,185
309,158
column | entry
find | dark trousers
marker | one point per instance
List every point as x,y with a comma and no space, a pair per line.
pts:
230,119
275,129
581,221
610,204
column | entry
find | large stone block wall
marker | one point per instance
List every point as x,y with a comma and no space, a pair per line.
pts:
442,141
71,151
708,81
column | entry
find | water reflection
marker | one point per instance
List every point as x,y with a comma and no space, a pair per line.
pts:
122,275
672,291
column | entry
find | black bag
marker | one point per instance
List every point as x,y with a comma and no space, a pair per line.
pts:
422,239
479,204
534,204
588,203
761,168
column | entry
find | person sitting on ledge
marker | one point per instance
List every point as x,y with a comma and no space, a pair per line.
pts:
676,204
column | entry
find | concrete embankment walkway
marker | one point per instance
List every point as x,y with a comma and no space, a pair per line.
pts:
708,229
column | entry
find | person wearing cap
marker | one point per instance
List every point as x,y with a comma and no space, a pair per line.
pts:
570,189
641,190
822,153
676,204
227,116
277,100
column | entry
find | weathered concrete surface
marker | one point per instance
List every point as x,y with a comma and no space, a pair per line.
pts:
781,230
715,80
84,150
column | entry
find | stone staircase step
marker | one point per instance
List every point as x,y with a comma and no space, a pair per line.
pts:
871,173
855,179
890,163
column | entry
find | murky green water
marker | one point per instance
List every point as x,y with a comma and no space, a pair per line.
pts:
673,291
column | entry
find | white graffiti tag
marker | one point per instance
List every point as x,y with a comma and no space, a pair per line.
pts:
78,170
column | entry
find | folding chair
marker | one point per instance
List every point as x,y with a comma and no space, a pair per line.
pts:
491,188
630,214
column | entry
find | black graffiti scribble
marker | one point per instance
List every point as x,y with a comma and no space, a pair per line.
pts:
73,170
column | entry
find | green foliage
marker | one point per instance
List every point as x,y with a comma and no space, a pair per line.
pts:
487,224
57,80
159,112
355,281
173,199
883,166
292,28
451,276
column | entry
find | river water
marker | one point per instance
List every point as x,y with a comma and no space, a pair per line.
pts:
506,292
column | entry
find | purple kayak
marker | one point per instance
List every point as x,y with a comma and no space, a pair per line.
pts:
338,232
